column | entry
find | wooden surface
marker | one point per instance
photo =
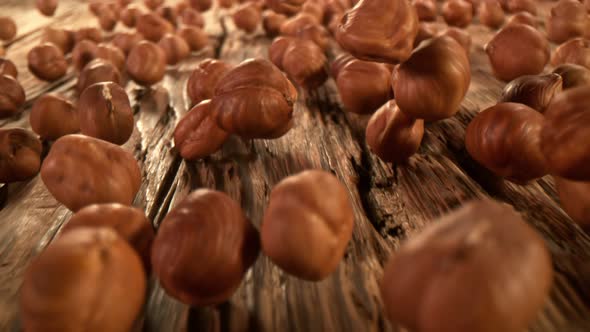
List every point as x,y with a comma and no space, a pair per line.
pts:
390,203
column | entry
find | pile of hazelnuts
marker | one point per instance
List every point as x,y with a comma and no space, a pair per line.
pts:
398,65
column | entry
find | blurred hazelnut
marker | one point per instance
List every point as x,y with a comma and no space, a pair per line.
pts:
196,38
204,78
89,279
271,22
153,4
146,63
111,54
505,139
565,134
339,62
63,39
292,25
315,33
47,62
7,28
528,43
181,6
491,14
105,113
369,32
81,170
287,7
203,248
168,12
302,60
153,27
20,155
97,71
307,212
440,67
91,34
460,36
523,18
201,5
8,68
247,16
425,31
12,96
46,7
474,6
457,13
573,75
364,86
315,9
575,200
130,15
225,3
175,48
425,9
567,19
576,51
192,17
53,116
84,52
515,6
392,135
434,281
535,91
126,40
108,19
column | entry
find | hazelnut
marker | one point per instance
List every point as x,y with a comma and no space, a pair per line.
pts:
567,19
63,39
197,134
91,34
81,170
12,96
425,31
576,51
392,135
491,14
271,22
130,224
225,3
515,6
8,68
315,9
315,33
53,116
192,17
309,212
153,4
460,36
505,139
168,13
339,62
126,40
425,9
196,38
302,60
565,134
474,5
201,5
146,63
247,16
181,6
439,66
254,100
434,282
130,15
535,91
175,48
523,18
89,279
575,200
457,13
204,78
111,54
292,25
369,31
153,27
97,71
20,155
84,52
287,7
7,28
108,19
530,45
105,113
573,75
47,62
203,248
364,86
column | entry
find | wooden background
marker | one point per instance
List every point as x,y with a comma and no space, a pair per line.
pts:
390,203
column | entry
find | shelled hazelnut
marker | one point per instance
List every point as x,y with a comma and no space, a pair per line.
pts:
302,60
153,4
12,96
8,68
20,155
528,43
364,86
8,28
457,13
271,22
111,54
575,51
392,135
460,36
61,38
126,40
247,16
153,27
425,9
287,7
491,14
168,12
192,17
535,91
368,31
89,279
91,34
439,66
130,223
204,79
575,200
53,116
146,63
307,212
566,20
47,62
129,16
97,71
523,18
105,113
81,170
573,75
254,100
339,62
84,52
175,48
203,248
515,6
434,281
565,134
201,5
505,139
196,38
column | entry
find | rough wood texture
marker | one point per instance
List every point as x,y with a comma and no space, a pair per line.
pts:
390,203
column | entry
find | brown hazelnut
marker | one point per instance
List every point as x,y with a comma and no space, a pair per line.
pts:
314,8
247,16
201,5
271,22
573,75
474,5
364,86
7,28
309,212
153,4
126,40
12,96
89,279
439,66
565,134
97,71
203,248
392,135
292,25
81,170
225,3
91,34
287,7
204,78
111,54
175,48
435,281
315,33
379,30
505,139
535,91
197,134
575,200
530,45
576,51
181,6
168,12
339,62
84,52
491,14
130,15
153,27
63,39
8,68
105,113
567,19
302,60
192,17
457,13
515,6
108,19
146,63
96,7
523,18
196,38
460,36
47,62
425,31
130,223
425,9
254,100
20,155
53,116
